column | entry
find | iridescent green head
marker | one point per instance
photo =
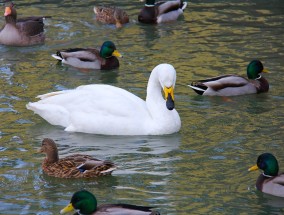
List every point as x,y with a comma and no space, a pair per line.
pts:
108,49
83,201
254,68
268,163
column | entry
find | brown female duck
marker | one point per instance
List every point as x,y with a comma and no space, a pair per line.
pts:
73,166
111,15
162,11
21,32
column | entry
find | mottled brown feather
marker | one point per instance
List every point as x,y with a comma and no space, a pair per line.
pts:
68,167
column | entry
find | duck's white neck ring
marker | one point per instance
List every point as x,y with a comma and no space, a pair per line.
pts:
269,176
259,77
149,5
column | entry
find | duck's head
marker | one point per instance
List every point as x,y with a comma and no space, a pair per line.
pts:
167,79
108,49
49,148
254,68
83,202
268,163
10,12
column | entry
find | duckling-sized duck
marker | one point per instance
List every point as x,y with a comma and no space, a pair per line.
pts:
234,85
111,15
21,32
90,58
160,12
85,202
269,181
73,166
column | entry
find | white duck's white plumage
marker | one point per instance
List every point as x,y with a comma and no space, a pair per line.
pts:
109,110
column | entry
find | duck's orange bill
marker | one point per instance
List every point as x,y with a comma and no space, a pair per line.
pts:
8,11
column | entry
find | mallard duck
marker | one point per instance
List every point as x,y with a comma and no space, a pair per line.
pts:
21,32
90,58
85,202
234,85
269,181
111,15
72,166
160,12
109,110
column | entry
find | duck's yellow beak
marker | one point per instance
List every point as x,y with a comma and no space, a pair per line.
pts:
116,54
169,91
265,70
67,209
253,168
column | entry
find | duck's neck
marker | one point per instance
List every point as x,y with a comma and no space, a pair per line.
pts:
52,157
154,98
150,3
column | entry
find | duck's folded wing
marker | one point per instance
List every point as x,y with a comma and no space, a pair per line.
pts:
225,81
80,53
31,27
125,209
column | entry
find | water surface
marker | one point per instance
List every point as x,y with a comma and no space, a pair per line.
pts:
200,170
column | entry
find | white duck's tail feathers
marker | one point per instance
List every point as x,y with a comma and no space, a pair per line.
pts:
43,96
57,57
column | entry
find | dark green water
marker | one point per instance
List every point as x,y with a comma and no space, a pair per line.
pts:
200,170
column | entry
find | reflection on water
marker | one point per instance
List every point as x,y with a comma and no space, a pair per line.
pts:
200,170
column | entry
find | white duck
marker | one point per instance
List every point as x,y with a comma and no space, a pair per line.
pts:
109,110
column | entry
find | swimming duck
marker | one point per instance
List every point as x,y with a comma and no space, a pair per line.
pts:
162,11
85,202
72,166
234,85
111,15
21,32
269,181
109,110
90,58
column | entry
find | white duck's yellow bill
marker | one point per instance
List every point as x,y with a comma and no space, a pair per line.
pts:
167,91
253,168
67,209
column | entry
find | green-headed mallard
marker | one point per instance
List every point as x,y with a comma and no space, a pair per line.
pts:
269,181
111,15
21,32
85,202
109,110
72,166
160,12
234,85
90,58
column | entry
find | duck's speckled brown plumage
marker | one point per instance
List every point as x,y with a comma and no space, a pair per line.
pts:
111,15
73,166
21,32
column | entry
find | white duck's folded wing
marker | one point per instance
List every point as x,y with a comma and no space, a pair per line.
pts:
101,106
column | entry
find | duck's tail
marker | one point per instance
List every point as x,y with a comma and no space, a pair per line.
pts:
183,5
198,89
